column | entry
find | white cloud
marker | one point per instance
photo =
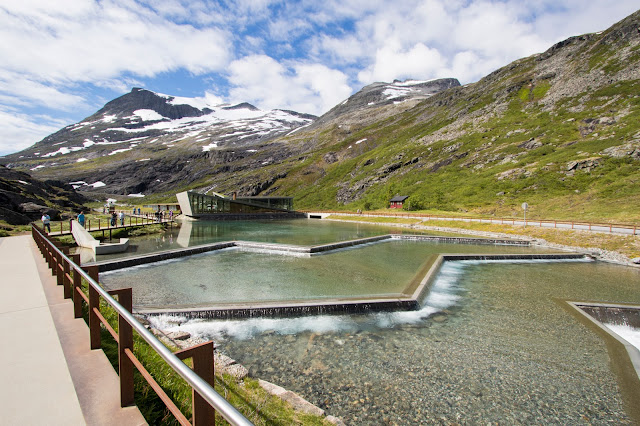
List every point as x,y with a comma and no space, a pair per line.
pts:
276,54
311,88
103,40
464,39
19,131
17,89
392,62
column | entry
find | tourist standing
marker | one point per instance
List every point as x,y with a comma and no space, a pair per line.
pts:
114,217
81,219
46,222
121,216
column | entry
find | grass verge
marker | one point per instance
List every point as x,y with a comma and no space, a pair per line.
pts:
246,395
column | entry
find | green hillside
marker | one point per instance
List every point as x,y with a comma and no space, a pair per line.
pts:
560,130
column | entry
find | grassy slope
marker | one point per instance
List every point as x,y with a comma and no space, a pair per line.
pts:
609,191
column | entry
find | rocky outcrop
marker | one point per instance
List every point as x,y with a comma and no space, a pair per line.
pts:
631,150
586,164
23,199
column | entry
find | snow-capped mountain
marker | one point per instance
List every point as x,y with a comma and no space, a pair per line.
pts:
378,95
144,142
142,117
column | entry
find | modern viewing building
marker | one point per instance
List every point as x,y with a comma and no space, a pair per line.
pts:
218,206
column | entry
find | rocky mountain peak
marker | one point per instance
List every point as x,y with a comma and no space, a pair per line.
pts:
380,94
142,99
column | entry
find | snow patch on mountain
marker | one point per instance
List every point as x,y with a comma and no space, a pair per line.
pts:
207,148
148,115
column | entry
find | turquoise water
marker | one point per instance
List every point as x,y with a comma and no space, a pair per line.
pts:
495,343
304,232
382,269
492,343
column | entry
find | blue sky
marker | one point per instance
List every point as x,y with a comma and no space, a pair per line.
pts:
63,60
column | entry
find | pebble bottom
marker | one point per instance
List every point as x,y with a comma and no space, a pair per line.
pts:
507,353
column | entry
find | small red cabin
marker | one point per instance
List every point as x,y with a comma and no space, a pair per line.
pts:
397,201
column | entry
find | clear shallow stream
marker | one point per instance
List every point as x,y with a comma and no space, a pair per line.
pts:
494,342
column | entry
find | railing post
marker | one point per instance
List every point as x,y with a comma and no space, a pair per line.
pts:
77,287
66,277
94,304
54,259
203,366
125,342
60,265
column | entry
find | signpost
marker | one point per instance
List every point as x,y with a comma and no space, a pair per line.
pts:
525,206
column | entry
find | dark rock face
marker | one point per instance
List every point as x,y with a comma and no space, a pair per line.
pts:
23,199
145,99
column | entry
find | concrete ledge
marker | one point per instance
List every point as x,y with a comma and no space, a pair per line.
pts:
112,265
108,248
249,216
282,309
292,398
85,239
632,351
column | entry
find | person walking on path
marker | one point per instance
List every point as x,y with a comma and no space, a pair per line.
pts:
114,217
46,222
121,216
81,219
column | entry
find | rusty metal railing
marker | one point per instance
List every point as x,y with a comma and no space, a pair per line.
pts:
70,274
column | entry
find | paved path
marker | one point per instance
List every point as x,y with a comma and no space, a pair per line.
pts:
47,371
604,228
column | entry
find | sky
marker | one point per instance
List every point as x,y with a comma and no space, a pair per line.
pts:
62,60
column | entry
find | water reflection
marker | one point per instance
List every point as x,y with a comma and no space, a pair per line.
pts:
305,232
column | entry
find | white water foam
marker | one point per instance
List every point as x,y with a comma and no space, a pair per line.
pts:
628,333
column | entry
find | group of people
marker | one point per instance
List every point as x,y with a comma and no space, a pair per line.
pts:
115,216
160,215
46,220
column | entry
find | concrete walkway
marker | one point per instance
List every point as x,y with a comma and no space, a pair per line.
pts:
48,373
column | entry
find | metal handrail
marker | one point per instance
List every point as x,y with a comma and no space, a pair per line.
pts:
221,405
